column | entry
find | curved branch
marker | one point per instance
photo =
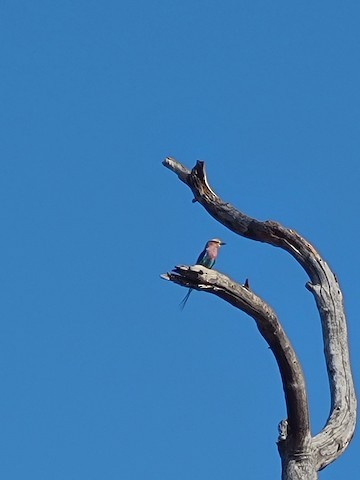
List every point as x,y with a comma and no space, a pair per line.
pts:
330,443
202,278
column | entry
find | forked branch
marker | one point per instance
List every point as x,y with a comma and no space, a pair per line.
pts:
330,443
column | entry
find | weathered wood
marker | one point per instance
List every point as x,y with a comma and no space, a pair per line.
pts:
201,278
302,456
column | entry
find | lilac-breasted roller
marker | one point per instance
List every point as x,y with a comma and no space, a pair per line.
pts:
207,258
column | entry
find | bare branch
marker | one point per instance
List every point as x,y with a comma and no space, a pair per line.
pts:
202,278
338,431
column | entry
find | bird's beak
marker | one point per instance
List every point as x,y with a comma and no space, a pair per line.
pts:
222,243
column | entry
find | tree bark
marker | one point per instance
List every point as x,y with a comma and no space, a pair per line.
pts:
302,456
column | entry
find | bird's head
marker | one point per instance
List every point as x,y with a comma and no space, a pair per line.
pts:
216,242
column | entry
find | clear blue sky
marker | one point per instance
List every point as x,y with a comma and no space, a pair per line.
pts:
102,377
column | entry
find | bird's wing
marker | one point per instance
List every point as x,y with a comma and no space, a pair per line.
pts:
201,257
205,259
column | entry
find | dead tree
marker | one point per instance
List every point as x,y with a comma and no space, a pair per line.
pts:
302,455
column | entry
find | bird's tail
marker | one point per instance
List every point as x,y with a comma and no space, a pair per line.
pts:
185,299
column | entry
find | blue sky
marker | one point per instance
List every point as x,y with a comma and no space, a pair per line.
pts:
102,376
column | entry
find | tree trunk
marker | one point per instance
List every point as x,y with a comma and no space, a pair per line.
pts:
302,455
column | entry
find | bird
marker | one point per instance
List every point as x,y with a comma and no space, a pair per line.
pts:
206,258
